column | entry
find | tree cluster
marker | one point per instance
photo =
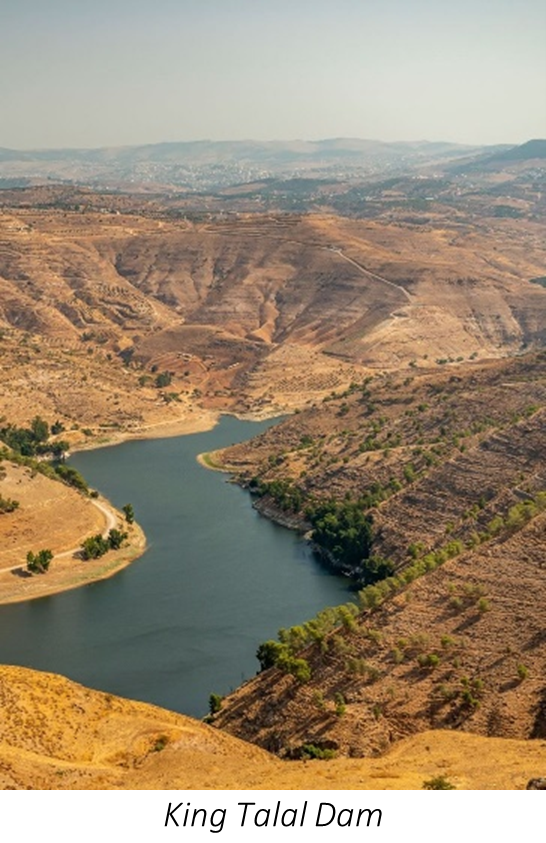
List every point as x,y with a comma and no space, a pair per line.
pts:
33,441
38,563
96,546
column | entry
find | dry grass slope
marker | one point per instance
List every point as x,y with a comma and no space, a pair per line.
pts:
55,734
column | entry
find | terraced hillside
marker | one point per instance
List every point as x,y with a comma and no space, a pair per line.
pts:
450,471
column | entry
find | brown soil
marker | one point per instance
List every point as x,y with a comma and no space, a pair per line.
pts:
463,646
54,516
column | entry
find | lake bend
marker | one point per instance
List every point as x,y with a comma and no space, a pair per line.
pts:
185,619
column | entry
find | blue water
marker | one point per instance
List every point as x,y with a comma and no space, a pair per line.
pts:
186,618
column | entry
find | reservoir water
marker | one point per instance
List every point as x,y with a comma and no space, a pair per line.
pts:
186,618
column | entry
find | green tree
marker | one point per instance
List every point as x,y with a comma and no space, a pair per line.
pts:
269,653
94,547
72,477
38,563
116,538
129,513
59,449
40,429
215,703
163,379
57,427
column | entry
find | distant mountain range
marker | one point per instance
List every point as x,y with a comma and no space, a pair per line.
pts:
208,165
205,165
532,150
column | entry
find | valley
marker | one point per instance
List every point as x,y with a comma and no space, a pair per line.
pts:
397,322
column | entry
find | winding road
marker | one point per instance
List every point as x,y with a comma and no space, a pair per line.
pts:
365,271
111,523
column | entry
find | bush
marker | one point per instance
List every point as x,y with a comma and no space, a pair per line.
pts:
341,707
311,750
430,660
523,672
438,783
299,668
163,379
38,563
215,703
8,505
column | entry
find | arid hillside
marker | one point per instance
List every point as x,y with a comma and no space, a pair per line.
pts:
462,647
450,472
411,350
247,313
46,514
55,734
434,456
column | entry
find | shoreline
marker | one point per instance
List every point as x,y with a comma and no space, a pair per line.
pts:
169,429
72,573
208,460
155,430
69,572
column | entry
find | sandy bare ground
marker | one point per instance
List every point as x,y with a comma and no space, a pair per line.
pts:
50,515
54,516
202,421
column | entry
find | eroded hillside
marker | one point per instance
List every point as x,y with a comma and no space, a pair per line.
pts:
247,313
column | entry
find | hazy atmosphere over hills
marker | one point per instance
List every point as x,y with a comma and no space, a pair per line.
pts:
396,70
330,217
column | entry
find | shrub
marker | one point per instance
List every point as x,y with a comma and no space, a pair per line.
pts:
341,707
299,668
311,750
8,505
523,672
215,703
428,660
160,743
438,783
38,563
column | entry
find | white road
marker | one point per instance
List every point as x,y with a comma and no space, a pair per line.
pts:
111,523
371,274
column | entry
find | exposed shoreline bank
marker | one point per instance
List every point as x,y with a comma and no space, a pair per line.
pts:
169,429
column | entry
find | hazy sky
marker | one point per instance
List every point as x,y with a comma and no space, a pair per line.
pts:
111,72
